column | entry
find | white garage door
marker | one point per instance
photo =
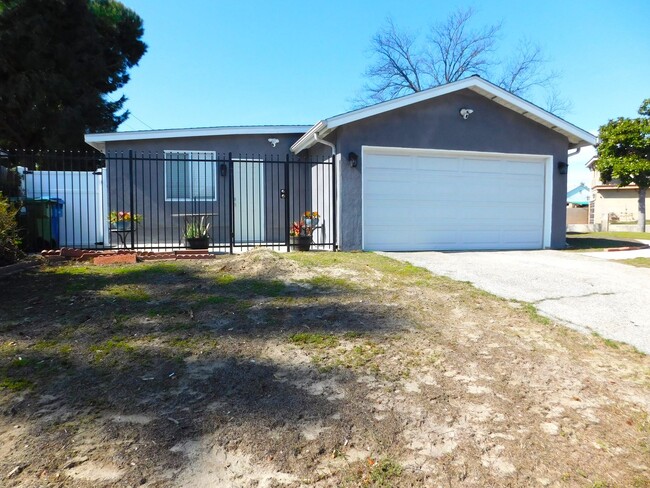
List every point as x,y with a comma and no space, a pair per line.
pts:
452,200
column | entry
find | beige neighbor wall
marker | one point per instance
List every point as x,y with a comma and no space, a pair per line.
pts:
577,215
621,202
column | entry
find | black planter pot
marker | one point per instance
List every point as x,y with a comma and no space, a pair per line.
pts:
197,242
300,243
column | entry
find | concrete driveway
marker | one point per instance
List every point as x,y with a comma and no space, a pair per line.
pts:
583,292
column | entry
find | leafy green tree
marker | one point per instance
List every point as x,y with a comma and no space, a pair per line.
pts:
59,60
624,154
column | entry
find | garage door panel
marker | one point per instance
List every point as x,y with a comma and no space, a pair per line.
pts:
418,202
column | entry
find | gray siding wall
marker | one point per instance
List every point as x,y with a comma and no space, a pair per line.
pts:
165,221
436,124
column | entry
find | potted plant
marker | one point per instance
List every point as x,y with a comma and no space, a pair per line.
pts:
123,221
196,234
312,218
300,235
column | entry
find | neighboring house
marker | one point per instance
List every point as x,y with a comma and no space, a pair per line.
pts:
577,212
611,203
579,196
465,165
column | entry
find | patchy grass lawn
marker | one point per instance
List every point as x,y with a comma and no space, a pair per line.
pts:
597,241
305,369
638,262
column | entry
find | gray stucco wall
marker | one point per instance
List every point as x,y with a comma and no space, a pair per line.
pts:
436,124
164,221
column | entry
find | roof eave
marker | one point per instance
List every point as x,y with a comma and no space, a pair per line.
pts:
307,139
98,141
577,137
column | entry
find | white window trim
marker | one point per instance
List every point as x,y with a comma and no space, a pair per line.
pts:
209,156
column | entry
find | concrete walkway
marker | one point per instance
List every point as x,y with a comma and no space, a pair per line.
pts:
583,292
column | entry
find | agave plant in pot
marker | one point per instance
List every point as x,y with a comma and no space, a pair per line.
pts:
196,233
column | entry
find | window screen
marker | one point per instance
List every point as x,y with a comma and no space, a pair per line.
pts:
190,175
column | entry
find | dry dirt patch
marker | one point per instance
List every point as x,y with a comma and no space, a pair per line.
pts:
311,369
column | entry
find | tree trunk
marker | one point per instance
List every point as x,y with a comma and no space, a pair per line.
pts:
642,192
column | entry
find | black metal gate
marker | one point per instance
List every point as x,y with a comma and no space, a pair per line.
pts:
169,201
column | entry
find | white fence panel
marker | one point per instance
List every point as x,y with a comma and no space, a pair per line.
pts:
83,221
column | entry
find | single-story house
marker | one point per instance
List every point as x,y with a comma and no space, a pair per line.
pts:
466,165
611,202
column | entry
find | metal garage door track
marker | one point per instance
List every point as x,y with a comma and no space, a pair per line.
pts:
583,292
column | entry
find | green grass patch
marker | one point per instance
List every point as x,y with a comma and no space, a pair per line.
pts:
384,471
365,261
532,312
638,262
52,346
132,293
14,384
360,355
116,345
225,279
328,282
145,270
314,339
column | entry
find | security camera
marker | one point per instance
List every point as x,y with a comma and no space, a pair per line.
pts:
274,141
466,112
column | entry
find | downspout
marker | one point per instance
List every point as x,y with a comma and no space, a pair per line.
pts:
336,197
327,143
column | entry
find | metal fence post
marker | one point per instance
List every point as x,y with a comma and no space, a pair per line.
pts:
131,197
231,201
287,210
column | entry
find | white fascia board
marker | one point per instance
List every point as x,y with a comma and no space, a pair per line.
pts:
93,139
484,88
307,139
534,112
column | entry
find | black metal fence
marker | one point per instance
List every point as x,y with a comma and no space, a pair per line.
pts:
169,201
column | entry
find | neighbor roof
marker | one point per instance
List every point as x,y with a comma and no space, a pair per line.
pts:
577,137
98,141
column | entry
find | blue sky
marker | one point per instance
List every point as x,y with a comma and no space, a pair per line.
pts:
248,62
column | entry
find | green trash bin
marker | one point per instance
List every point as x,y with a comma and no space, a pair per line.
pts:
39,220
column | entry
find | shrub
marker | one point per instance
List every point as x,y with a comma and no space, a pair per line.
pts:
9,237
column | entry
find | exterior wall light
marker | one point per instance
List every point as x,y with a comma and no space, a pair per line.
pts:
562,167
465,113
353,159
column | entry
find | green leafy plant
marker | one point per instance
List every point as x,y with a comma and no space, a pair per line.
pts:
9,237
197,229
120,216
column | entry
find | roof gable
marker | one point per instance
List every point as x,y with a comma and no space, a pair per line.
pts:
576,136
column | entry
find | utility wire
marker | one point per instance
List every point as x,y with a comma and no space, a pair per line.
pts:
131,114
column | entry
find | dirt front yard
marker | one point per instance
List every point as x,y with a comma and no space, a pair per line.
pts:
305,369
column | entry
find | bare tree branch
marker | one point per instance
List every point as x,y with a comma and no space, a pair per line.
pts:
556,103
397,69
403,63
526,70
456,51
